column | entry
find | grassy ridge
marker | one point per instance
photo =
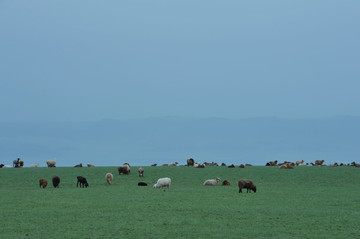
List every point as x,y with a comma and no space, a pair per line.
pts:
307,202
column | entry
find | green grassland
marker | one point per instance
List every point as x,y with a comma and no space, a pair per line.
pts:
306,202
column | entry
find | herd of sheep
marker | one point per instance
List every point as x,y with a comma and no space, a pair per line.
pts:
164,183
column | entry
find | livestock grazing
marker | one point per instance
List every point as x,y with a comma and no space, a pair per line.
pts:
153,165
78,165
109,178
226,183
199,165
43,182
141,172
190,162
82,181
247,164
90,165
319,162
223,164
21,163
142,184
173,164
162,182
124,170
165,164
56,181
271,163
241,166
248,184
16,163
231,166
212,182
51,163
299,162
34,165
126,164
286,166
2,165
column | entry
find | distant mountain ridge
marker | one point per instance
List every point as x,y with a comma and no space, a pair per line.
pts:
165,140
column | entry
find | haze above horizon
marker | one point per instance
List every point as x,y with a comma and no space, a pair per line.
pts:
90,60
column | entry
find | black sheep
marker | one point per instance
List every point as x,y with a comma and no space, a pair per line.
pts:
82,182
56,181
142,184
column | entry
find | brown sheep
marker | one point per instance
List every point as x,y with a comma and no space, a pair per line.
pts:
109,177
56,181
124,170
287,166
153,165
241,166
223,164
246,183
247,164
90,165
226,183
319,162
43,182
78,165
141,172
21,163
190,162
231,166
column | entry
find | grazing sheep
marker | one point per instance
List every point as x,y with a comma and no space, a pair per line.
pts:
153,165
319,162
231,166
34,165
43,182
299,162
223,164
162,182
241,166
78,165
141,172
82,181
2,165
287,166
142,184
247,164
16,163
226,183
124,170
51,163
212,182
173,164
271,163
21,163
248,184
190,162
90,165
56,181
109,177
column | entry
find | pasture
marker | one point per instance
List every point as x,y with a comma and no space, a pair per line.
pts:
306,202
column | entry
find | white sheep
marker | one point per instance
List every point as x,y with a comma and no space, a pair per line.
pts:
163,182
34,165
212,182
109,177
51,163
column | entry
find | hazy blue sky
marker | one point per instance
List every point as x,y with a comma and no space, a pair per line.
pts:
90,60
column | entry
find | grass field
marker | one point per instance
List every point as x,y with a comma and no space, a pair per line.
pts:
307,202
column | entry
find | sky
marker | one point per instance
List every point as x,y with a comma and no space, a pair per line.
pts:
94,60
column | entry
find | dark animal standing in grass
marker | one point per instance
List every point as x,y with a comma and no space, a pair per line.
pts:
246,183
241,166
190,162
56,181
2,165
226,183
231,166
141,172
153,165
82,182
124,170
78,165
43,182
142,184
16,163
